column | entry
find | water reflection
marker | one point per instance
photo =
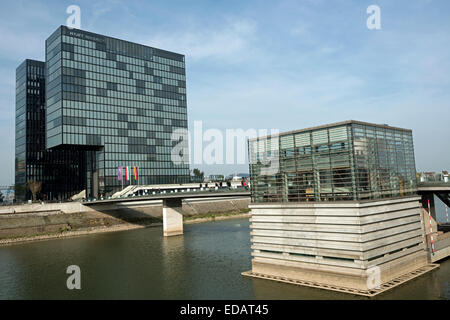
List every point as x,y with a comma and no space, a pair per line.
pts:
205,263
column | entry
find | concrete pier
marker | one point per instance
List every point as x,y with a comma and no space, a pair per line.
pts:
357,245
172,217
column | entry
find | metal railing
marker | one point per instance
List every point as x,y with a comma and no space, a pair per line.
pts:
157,193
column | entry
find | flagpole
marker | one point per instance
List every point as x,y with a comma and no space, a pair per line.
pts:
120,175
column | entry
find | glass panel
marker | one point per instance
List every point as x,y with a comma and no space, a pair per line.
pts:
349,162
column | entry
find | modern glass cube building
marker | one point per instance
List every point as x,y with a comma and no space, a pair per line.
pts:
115,102
349,160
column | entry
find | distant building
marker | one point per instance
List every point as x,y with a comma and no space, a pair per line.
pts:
433,176
8,196
216,177
444,176
237,176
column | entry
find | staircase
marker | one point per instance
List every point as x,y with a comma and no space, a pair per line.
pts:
125,192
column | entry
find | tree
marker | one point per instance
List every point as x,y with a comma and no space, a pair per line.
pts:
1,197
35,188
198,173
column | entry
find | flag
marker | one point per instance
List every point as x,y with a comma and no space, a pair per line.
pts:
119,173
126,173
135,173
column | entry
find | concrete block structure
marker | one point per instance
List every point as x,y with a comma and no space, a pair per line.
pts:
338,243
342,211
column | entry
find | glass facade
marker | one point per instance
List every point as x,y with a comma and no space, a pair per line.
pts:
58,171
21,125
344,161
117,101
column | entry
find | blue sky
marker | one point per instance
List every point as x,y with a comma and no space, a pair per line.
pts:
269,64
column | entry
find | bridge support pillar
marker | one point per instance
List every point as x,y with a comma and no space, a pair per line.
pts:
172,217
425,216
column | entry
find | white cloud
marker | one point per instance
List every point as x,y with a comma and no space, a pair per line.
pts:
17,45
225,42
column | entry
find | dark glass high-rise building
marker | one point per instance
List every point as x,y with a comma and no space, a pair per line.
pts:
59,172
116,103
30,106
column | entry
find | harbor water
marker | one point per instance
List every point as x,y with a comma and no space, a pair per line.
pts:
204,263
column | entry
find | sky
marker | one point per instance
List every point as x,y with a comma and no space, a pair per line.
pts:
282,65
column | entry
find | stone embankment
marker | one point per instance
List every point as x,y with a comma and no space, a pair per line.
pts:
32,222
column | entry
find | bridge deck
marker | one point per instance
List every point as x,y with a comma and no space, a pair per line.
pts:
174,195
433,186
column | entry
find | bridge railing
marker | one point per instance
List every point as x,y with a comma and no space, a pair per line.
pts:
157,193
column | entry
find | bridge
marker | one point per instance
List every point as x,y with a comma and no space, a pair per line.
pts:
437,235
173,196
440,189
431,236
172,204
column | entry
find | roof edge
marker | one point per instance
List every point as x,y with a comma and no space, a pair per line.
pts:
330,125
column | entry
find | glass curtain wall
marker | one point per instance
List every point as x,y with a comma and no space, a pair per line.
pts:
120,99
59,172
